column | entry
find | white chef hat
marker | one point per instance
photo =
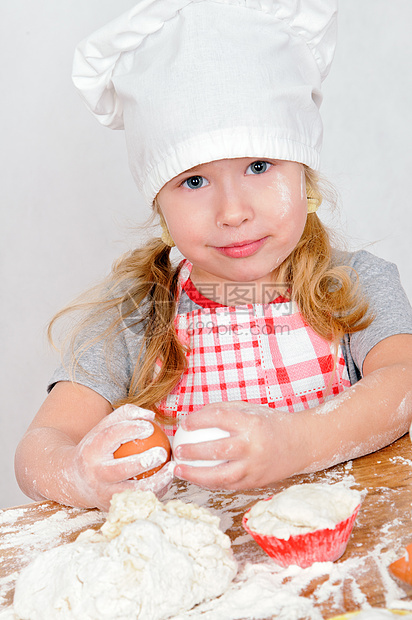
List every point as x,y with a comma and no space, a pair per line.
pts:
193,81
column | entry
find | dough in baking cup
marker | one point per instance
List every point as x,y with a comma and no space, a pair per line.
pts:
304,524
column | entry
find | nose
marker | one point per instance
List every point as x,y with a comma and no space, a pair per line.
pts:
234,207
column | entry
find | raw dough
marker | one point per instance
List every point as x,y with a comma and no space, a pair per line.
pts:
149,561
303,508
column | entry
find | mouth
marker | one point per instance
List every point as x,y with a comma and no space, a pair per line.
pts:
241,249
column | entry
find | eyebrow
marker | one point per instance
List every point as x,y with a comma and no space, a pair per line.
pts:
191,171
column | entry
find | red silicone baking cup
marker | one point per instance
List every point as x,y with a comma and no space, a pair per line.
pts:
326,545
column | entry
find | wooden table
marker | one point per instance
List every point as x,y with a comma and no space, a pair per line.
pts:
382,530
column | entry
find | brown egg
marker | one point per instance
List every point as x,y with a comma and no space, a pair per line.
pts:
159,438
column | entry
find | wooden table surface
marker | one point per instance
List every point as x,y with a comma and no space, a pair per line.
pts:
382,529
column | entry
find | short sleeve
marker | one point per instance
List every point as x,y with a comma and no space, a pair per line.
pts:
381,285
104,366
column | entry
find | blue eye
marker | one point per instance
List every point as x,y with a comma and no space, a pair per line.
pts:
195,182
258,167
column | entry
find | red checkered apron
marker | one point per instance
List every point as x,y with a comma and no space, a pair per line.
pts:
260,353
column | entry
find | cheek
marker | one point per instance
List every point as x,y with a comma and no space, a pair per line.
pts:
299,216
291,224
291,209
290,199
189,232
283,198
178,219
185,226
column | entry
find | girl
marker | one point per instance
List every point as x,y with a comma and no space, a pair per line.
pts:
263,323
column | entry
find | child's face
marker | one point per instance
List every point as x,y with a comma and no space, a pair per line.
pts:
236,220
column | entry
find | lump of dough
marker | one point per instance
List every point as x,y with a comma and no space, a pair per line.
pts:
149,561
303,508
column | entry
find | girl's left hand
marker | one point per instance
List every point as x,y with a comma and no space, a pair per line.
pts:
257,453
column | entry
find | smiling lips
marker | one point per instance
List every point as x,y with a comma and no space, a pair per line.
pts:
242,249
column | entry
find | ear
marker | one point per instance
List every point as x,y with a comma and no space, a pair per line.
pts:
166,236
314,197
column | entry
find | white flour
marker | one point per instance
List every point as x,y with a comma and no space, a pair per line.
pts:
33,538
261,588
51,528
149,560
260,592
264,591
273,591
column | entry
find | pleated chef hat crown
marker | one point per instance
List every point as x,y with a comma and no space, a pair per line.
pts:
193,81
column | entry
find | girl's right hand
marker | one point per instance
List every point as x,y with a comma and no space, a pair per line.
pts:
97,474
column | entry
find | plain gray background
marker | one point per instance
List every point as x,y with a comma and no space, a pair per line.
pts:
69,206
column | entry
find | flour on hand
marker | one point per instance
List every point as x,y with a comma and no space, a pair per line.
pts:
148,561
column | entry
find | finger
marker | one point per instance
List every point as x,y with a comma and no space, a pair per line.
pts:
126,431
133,412
232,475
219,477
216,415
126,412
127,467
107,440
219,449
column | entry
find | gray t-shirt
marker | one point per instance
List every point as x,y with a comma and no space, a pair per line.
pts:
109,372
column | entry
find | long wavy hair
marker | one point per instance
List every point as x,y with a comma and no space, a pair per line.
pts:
328,296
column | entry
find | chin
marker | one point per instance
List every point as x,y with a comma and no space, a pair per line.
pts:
245,274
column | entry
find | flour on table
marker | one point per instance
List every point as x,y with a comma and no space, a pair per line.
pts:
303,508
261,592
21,540
149,561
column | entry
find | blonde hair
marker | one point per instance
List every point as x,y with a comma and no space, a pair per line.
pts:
328,297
